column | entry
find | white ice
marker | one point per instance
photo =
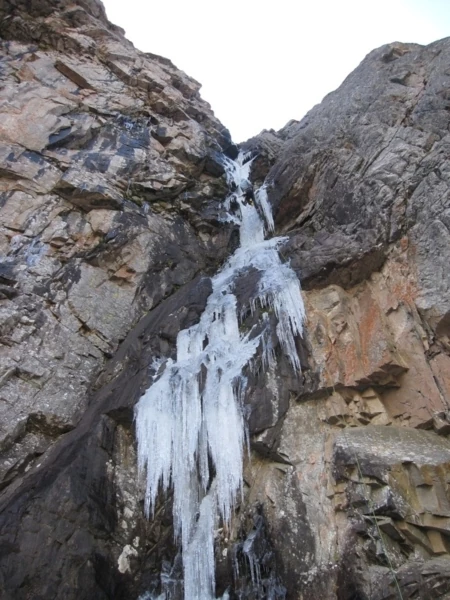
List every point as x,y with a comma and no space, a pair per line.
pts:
190,426
263,203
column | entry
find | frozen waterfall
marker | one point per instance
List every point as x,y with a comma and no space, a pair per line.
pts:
190,425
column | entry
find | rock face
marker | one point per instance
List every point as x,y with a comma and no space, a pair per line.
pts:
111,182
361,187
110,194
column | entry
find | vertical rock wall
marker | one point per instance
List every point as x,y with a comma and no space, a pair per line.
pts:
361,187
110,190
111,182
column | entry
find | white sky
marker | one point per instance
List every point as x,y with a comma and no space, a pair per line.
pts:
261,64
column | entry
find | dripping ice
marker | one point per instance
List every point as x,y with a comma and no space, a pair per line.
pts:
192,415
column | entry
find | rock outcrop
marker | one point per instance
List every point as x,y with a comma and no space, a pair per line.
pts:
110,224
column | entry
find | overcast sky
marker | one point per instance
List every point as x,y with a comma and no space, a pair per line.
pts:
261,64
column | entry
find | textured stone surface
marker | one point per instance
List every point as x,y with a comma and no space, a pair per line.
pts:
111,181
100,219
361,188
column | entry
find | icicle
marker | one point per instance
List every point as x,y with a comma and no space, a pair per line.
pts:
192,414
198,554
263,202
248,550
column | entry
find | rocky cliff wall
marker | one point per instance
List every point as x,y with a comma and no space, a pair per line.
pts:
111,183
361,187
110,192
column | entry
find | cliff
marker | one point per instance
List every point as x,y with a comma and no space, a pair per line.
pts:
111,224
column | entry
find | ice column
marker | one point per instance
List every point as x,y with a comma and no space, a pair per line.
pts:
189,423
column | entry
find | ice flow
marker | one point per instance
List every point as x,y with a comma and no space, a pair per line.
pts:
190,426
